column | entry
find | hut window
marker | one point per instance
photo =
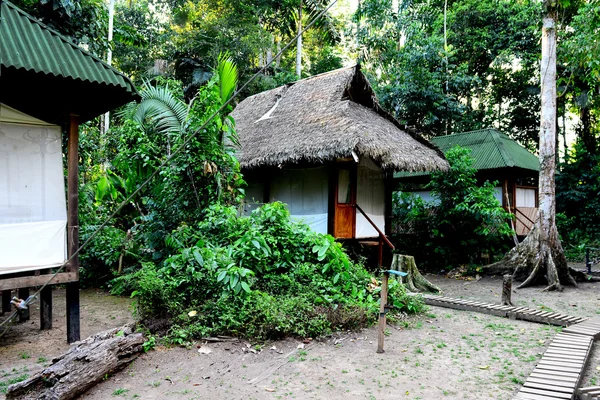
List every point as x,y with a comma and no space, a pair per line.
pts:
525,197
344,191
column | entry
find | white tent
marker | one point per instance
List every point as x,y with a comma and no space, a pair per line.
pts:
32,193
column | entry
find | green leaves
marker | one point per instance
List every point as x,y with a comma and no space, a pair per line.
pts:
160,109
463,220
234,279
228,76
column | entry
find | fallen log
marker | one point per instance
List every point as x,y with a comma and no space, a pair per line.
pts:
85,364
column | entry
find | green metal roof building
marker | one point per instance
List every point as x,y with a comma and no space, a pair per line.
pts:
497,158
492,150
48,86
47,76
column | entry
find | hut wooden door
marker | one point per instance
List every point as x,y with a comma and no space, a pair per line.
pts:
344,222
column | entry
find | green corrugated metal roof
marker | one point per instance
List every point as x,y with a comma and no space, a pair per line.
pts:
490,148
26,44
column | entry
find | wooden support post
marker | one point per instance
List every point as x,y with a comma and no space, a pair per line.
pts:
6,296
24,314
380,253
382,319
506,289
73,231
46,308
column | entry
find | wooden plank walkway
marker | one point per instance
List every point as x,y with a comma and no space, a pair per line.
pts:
590,393
522,313
559,372
587,328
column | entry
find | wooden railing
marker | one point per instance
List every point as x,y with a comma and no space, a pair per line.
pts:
382,238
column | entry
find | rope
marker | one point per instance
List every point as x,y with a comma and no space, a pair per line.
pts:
165,162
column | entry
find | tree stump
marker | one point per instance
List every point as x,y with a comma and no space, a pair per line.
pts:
86,363
506,290
414,281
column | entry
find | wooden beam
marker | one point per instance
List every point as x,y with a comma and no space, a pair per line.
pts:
32,281
73,230
73,194
72,293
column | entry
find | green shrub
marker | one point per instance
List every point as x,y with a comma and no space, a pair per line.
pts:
262,276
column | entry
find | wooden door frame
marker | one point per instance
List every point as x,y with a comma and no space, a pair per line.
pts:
353,167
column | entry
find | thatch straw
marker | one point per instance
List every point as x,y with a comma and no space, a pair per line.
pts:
324,117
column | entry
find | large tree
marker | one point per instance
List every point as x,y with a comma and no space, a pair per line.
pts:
540,257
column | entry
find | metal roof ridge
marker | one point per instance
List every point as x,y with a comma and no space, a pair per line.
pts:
508,159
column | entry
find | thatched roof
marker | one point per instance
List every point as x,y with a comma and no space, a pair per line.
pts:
324,117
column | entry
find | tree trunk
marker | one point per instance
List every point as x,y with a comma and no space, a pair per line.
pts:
86,363
278,58
299,45
270,51
414,281
540,256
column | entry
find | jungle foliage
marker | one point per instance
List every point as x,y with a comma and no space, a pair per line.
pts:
261,276
463,220
194,265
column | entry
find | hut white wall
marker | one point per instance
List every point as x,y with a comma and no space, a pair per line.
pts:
33,214
370,196
305,191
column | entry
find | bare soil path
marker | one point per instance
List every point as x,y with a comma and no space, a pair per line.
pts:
442,354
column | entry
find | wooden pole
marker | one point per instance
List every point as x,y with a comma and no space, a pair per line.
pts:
73,231
24,314
507,290
380,253
46,308
6,297
382,319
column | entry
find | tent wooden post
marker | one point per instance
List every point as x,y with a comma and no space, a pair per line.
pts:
73,230
24,314
46,307
6,294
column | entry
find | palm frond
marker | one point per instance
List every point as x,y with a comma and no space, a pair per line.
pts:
162,109
228,76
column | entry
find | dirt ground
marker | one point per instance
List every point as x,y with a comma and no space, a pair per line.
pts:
442,353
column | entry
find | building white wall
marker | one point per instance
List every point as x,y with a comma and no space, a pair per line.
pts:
306,193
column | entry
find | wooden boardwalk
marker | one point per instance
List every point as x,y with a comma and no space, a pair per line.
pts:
558,373
590,393
522,313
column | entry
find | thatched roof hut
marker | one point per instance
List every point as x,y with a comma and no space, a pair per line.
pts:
325,117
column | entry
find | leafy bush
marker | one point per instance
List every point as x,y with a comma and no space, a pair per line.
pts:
463,220
262,276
